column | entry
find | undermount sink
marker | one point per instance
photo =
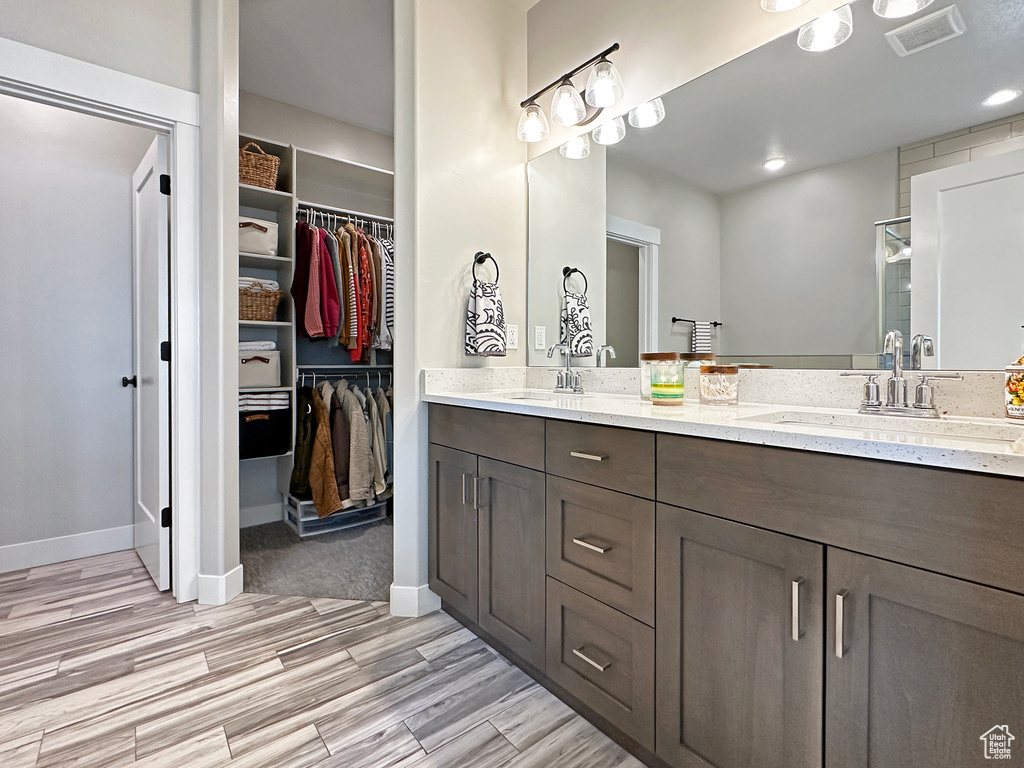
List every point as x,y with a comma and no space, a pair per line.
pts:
539,394
903,429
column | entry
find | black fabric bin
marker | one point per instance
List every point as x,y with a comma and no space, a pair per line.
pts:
264,433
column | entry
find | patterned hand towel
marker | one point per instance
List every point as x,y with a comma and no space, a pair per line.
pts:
485,321
575,325
700,341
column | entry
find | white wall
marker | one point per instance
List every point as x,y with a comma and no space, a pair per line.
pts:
460,179
664,44
154,39
66,308
688,262
798,260
567,228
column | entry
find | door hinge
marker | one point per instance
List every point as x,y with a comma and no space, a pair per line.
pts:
165,517
165,351
165,184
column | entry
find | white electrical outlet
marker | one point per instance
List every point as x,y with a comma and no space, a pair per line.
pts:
512,336
540,337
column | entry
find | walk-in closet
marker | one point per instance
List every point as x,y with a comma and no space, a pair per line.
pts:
316,310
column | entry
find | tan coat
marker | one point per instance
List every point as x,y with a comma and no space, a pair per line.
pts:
321,467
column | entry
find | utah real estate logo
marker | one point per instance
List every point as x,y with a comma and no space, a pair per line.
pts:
997,742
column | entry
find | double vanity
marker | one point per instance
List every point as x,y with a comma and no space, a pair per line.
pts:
757,585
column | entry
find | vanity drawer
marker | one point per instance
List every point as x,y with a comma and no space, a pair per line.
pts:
507,437
604,658
609,457
602,543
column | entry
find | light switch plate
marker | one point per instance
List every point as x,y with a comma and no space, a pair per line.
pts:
512,336
540,337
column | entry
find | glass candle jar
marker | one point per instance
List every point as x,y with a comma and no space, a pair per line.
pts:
694,360
667,382
646,359
719,385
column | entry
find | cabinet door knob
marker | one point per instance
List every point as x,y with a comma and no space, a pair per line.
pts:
593,547
841,648
587,456
595,664
797,632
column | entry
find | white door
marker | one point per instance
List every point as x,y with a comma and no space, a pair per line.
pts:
967,227
152,390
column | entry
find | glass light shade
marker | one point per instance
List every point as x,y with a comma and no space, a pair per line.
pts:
779,6
1001,97
610,133
897,9
567,108
533,124
577,148
604,86
774,163
646,115
827,31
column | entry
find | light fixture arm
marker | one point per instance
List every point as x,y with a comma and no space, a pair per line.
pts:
555,83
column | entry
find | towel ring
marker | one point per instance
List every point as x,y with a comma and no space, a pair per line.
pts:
479,258
566,272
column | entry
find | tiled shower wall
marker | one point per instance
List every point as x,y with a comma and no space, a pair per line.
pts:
958,147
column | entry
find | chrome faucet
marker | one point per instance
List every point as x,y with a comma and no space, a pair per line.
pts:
567,382
896,388
600,354
921,345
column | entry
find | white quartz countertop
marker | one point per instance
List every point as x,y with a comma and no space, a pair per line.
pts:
972,444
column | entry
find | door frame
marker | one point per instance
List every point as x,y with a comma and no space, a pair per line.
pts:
50,78
647,240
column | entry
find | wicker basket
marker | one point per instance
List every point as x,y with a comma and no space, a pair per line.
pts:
257,303
257,168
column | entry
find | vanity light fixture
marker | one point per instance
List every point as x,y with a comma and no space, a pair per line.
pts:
1001,97
897,9
533,124
611,132
568,108
576,148
827,31
780,6
647,114
774,163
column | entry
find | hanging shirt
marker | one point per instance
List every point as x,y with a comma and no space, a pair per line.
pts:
300,281
314,322
329,307
339,283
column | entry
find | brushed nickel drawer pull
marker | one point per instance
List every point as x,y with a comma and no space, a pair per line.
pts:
593,547
797,632
841,648
599,667
587,456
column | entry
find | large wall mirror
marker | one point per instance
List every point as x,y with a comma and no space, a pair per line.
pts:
900,205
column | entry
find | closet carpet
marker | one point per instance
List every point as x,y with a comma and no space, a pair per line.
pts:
354,564
99,670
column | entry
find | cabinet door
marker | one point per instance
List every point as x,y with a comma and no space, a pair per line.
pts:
453,530
739,644
511,513
923,670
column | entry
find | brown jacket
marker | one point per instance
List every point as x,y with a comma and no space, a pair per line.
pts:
321,468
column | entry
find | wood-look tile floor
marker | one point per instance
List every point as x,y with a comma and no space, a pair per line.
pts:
98,668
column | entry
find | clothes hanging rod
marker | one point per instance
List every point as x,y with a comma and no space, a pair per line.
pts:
714,323
343,212
352,367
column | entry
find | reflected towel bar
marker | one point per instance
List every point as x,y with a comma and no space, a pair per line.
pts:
714,323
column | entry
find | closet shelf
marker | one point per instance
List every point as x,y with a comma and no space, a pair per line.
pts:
264,389
264,323
266,200
260,261
274,456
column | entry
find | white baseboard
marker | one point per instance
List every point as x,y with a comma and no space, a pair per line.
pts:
16,557
267,513
413,601
218,590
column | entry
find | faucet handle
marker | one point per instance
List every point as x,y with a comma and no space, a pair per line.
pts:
872,391
924,393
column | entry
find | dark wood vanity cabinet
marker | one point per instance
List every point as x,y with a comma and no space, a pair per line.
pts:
452,544
739,644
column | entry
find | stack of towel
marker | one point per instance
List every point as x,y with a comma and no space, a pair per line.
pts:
263,401
257,346
258,284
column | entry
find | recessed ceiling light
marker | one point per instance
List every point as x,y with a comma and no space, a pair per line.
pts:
1001,97
774,163
780,6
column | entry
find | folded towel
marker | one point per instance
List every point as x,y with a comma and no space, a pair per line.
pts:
258,283
700,341
485,321
575,325
257,346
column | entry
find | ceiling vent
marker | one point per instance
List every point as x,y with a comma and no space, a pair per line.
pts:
927,31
